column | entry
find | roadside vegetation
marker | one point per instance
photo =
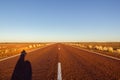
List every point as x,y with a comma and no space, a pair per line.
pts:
108,48
10,49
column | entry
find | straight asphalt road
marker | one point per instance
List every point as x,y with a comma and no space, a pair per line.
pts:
60,62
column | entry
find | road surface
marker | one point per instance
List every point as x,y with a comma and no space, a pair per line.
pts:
75,64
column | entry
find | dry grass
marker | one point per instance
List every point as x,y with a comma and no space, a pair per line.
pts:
109,48
9,49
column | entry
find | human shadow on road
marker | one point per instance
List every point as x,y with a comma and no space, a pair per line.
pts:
23,70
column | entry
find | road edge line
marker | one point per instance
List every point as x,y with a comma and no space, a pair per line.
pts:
19,54
16,55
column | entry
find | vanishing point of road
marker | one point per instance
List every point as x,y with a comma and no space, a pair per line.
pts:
64,62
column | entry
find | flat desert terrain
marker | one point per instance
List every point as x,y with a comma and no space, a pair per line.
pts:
60,61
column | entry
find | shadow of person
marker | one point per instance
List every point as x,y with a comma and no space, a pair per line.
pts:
23,70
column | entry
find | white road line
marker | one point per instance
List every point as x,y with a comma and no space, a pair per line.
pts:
58,48
111,57
9,57
59,76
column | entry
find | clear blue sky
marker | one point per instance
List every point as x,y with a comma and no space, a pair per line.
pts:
59,20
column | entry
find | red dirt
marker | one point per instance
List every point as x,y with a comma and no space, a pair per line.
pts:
76,64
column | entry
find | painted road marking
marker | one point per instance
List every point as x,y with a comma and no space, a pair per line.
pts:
111,57
58,48
9,57
59,76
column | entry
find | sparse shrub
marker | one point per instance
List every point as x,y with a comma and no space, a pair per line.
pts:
83,46
100,48
110,49
6,51
39,44
105,48
97,47
34,45
30,46
118,50
90,46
